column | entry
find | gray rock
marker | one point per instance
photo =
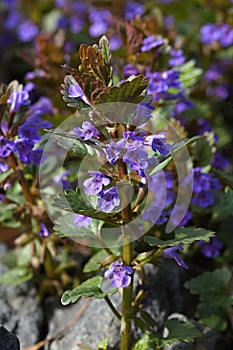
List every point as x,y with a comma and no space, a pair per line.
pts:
95,324
20,311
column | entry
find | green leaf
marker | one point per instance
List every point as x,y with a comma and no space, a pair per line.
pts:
93,265
143,343
7,218
103,344
225,178
182,331
66,228
148,319
89,288
214,282
105,49
128,91
223,206
214,298
185,235
71,142
77,203
16,276
189,73
204,149
106,54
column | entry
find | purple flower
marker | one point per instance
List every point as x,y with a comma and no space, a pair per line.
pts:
60,3
171,253
143,113
18,99
87,132
119,274
158,145
27,31
60,180
133,9
44,232
220,161
81,220
76,23
75,91
36,156
136,159
100,20
6,147
115,42
151,42
13,20
129,70
204,187
203,199
177,58
155,215
213,73
181,107
3,167
42,107
211,33
108,199
211,249
221,92
29,130
24,150
95,183
180,216
165,85
114,150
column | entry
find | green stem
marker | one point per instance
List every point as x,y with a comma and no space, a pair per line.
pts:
24,185
127,310
112,307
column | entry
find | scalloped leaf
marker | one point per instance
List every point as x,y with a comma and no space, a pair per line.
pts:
88,289
185,235
66,228
89,83
76,203
182,331
128,91
94,263
215,301
16,276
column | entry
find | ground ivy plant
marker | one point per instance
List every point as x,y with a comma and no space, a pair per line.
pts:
109,208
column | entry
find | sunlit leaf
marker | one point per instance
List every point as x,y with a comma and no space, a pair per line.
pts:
89,288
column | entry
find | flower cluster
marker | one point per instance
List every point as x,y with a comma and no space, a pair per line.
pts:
212,33
25,145
165,85
204,188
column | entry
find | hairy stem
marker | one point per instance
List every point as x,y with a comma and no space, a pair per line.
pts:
24,185
126,319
